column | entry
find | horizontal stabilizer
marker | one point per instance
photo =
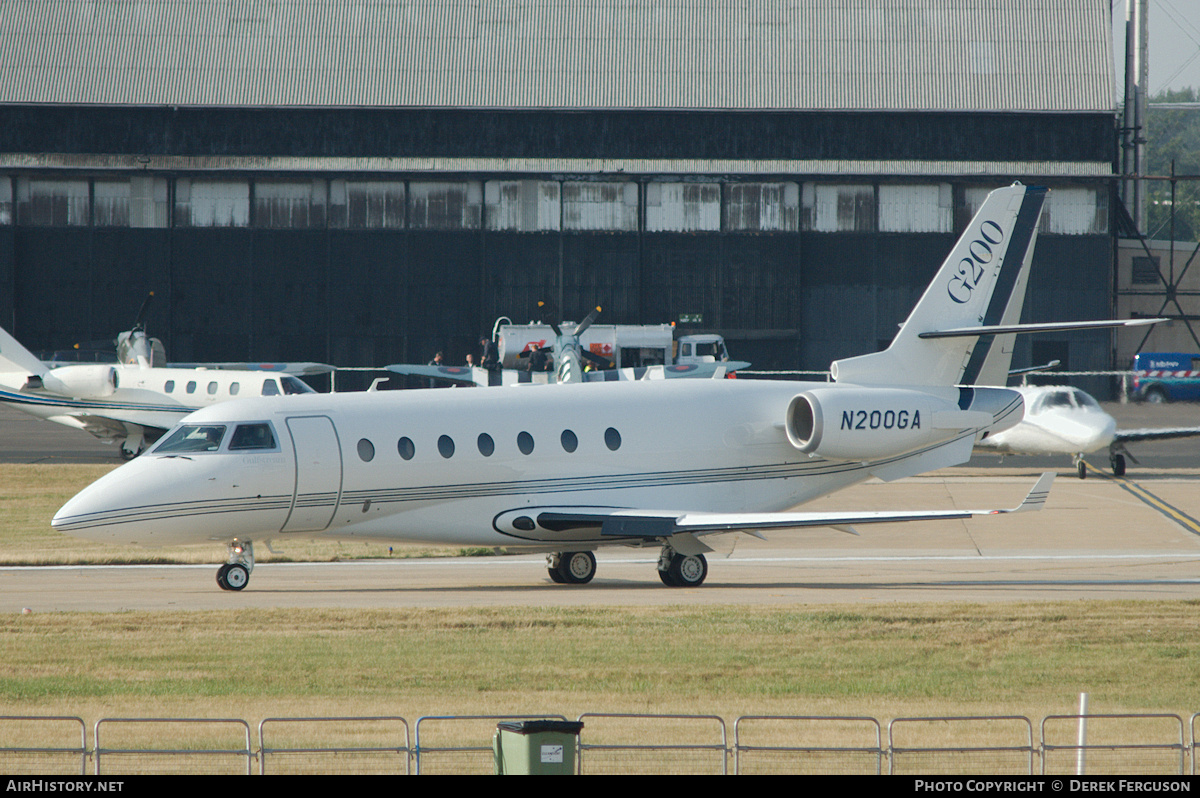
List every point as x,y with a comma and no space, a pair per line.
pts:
1001,329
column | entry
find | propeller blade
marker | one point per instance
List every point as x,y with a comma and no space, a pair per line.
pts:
587,322
140,324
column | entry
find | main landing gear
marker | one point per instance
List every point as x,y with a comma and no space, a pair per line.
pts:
235,574
571,567
681,570
578,568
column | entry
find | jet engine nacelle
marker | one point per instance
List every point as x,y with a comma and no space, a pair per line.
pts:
867,424
82,382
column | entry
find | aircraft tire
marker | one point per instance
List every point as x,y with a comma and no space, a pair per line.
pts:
576,567
1118,465
224,569
237,576
1081,469
688,571
667,579
555,576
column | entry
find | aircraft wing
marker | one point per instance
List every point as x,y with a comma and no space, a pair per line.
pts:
460,375
688,370
299,369
1162,434
684,527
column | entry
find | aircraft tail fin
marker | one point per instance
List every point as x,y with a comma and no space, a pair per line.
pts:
982,282
14,357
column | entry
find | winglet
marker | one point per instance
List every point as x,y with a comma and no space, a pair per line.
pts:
1036,499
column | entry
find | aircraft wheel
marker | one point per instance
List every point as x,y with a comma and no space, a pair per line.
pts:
1081,469
667,579
1118,465
224,569
127,454
576,567
553,561
236,577
689,570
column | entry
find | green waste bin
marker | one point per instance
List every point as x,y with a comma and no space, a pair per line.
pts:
536,747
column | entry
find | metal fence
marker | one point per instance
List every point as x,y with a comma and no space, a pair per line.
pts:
807,744
460,744
1115,744
1001,746
1142,744
343,745
629,744
203,746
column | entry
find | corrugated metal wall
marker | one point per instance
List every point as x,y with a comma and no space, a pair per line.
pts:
409,268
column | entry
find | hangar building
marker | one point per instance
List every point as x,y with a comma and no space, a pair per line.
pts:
368,181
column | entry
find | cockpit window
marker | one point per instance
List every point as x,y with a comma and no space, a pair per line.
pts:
1085,400
192,438
291,385
270,388
252,436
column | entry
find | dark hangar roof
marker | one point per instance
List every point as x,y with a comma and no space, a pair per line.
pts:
841,55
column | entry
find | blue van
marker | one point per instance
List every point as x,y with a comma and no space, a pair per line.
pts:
1166,376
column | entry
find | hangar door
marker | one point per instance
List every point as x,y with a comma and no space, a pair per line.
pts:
318,473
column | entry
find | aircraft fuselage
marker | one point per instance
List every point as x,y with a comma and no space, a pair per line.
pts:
459,467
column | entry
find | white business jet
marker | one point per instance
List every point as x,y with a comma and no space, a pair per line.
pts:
1061,420
567,471
133,401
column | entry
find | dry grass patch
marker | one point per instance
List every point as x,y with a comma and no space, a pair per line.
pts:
905,660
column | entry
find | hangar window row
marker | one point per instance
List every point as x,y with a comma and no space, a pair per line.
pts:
521,205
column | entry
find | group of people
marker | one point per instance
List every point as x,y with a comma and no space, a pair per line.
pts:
540,358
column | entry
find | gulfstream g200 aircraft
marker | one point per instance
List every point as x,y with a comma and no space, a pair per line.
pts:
567,471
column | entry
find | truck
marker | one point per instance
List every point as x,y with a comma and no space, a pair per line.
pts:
624,345
1166,376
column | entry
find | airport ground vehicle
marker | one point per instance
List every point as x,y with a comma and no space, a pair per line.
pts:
1166,376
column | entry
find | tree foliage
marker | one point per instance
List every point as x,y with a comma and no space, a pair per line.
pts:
1173,135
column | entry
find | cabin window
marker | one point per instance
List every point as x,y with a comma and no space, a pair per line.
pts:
212,389
270,388
446,446
406,448
612,439
486,445
191,387
292,386
569,442
169,387
192,438
366,450
252,436
234,388
525,443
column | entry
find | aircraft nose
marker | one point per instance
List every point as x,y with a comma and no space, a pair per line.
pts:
1091,433
98,511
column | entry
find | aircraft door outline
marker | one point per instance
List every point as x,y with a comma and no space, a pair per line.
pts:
317,457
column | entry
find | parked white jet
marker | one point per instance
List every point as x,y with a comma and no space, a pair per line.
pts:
567,471
132,401
1063,420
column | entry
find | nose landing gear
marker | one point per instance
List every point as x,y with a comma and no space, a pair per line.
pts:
235,574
